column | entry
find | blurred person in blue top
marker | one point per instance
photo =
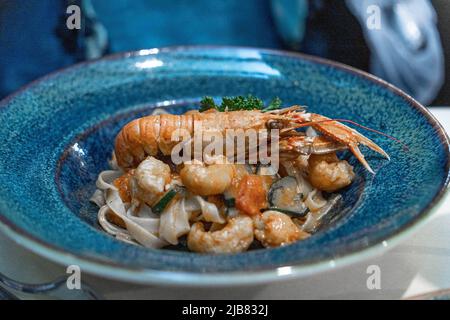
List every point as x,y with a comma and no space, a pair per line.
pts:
397,40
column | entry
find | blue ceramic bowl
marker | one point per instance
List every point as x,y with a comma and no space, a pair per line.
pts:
57,134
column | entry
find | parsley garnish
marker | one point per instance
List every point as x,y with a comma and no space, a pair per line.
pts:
207,103
273,105
239,103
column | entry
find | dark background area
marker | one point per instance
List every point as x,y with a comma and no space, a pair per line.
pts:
443,10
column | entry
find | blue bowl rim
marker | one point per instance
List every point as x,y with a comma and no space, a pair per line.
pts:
198,279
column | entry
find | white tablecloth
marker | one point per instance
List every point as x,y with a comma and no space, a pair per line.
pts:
419,265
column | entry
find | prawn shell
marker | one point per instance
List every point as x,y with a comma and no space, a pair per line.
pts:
153,134
168,125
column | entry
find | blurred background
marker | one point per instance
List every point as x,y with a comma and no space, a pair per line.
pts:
406,42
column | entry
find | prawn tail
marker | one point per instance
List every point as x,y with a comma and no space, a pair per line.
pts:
136,140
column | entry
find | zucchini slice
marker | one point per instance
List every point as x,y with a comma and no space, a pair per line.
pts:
289,213
284,197
230,202
162,203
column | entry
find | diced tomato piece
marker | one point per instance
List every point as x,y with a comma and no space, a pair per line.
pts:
123,184
252,195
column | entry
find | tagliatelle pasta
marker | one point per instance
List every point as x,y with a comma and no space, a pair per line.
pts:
142,225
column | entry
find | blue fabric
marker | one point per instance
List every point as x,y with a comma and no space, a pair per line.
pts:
29,46
290,18
159,23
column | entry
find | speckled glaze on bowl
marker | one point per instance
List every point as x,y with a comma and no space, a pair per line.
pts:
57,135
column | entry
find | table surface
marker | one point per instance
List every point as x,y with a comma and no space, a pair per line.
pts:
417,266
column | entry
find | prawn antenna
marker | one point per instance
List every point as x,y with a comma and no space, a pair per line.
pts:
307,124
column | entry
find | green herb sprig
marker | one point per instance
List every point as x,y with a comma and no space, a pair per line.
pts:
239,103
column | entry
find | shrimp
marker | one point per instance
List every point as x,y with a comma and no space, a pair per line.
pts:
240,172
150,179
275,229
328,173
207,180
152,135
236,236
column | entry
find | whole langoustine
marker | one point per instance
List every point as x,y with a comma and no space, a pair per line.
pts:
152,135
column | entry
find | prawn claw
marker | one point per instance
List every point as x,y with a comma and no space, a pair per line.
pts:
348,136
